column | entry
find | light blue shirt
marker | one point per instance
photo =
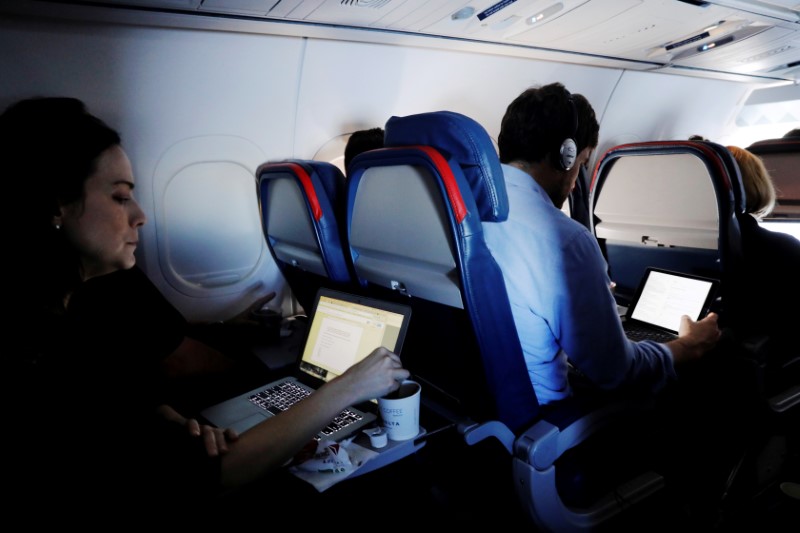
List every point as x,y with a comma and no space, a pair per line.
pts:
558,286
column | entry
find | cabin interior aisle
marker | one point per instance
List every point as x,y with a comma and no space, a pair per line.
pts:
204,92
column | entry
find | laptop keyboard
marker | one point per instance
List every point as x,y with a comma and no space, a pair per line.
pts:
637,334
283,395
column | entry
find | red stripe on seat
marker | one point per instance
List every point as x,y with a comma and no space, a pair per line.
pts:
450,185
311,194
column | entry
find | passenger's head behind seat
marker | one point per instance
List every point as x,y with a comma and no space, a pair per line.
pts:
362,141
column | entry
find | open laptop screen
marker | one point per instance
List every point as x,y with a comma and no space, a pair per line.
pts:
664,296
346,328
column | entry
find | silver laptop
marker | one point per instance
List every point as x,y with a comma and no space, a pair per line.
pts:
663,296
343,329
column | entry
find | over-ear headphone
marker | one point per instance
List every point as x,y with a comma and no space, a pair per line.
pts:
568,151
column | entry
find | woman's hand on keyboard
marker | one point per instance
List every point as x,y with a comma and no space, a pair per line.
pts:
275,440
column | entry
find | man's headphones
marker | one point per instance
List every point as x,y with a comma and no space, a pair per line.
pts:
568,151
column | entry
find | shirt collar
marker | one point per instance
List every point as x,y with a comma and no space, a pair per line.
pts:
519,178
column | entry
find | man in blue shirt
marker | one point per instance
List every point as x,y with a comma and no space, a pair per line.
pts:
555,273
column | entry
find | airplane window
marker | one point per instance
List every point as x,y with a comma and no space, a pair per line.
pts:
767,114
210,236
207,207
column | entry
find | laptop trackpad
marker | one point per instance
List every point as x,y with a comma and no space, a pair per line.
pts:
246,423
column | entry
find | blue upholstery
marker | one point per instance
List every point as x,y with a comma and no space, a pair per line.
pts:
301,211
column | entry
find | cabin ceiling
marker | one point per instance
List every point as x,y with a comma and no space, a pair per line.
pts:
751,40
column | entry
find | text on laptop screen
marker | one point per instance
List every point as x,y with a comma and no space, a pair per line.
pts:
665,298
342,333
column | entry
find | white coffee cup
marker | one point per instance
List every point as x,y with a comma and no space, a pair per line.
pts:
400,411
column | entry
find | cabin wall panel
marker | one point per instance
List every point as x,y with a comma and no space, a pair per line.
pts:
348,86
648,106
283,96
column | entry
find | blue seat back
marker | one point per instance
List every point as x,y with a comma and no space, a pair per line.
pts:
414,228
301,213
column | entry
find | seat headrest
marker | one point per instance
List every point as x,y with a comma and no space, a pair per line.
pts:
463,140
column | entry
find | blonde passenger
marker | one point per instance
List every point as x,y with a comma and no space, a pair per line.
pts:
768,292
758,187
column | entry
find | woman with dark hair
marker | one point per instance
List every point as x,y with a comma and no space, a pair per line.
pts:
92,407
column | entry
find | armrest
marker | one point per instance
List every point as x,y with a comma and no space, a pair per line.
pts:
547,439
534,468
474,433
785,400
